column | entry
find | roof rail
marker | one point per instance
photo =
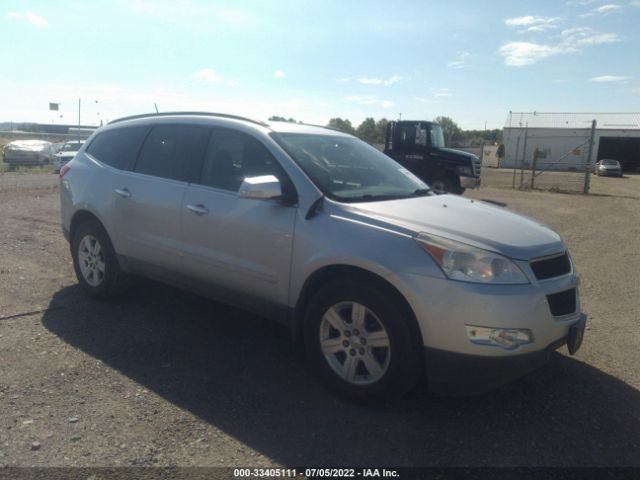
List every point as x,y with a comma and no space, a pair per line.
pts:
165,114
323,126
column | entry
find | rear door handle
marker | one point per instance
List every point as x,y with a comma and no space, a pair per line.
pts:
123,192
198,209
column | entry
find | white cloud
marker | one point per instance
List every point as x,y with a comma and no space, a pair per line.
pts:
635,3
518,54
370,100
279,74
609,79
574,38
460,61
343,80
610,7
208,75
34,19
533,23
380,81
602,10
635,91
441,92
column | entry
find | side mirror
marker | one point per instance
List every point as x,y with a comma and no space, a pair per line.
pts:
265,187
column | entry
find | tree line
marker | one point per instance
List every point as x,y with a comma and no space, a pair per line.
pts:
373,131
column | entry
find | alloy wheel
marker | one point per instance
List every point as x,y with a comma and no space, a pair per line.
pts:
355,343
91,260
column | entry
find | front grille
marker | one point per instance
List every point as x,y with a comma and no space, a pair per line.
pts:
476,167
551,267
562,303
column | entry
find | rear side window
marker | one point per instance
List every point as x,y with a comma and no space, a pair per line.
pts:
173,152
118,148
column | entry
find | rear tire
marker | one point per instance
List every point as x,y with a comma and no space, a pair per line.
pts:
95,262
360,343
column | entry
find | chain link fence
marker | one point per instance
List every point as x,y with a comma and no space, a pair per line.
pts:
535,158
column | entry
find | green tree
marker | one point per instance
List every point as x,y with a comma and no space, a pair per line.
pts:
343,125
367,130
381,130
450,129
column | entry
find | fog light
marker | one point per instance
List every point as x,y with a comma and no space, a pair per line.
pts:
506,338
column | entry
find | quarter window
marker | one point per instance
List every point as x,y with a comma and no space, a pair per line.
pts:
173,152
118,148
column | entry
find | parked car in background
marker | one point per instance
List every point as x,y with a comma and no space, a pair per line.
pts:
379,279
27,153
608,167
65,154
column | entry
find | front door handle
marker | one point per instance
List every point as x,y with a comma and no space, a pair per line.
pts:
198,209
123,192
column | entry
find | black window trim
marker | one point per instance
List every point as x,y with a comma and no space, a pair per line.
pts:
294,194
126,168
151,126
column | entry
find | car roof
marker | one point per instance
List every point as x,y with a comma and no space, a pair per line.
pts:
290,127
275,126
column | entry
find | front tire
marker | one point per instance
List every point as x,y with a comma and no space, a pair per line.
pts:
444,183
360,343
94,261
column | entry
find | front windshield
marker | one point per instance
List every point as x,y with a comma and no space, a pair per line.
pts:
609,162
71,147
349,170
437,137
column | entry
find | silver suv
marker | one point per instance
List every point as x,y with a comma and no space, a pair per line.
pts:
379,279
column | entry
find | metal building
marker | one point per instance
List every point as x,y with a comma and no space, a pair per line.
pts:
561,140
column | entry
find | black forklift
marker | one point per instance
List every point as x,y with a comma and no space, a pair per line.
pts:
419,147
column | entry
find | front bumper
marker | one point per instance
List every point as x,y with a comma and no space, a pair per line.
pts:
469,182
457,374
444,308
610,173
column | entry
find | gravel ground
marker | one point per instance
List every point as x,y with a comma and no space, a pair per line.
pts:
163,377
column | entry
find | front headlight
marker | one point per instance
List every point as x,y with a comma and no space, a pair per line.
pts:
465,263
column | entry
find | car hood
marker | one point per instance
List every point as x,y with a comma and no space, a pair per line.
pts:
66,155
453,153
472,222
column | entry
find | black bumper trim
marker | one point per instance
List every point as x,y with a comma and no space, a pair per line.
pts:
460,374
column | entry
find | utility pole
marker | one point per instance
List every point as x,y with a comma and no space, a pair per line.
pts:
524,153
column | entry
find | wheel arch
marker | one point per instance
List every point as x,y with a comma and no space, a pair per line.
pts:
352,273
81,216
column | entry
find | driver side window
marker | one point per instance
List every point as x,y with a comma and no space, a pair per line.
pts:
232,156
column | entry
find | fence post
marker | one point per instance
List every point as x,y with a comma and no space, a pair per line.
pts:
587,166
515,162
533,167
524,153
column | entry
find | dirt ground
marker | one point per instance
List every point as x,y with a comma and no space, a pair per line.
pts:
163,377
